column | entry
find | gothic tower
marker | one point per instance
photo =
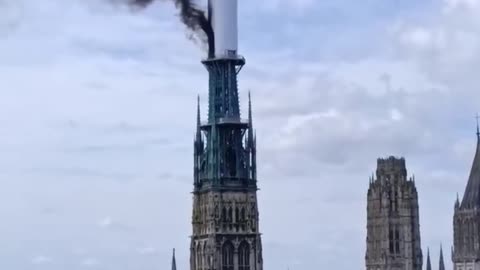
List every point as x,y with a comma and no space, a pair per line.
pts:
225,216
393,230
466,221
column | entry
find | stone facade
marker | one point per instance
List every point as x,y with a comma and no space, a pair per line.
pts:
225,217
225,231
466,221
393,230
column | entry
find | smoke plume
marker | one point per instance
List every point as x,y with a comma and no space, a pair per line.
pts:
192,16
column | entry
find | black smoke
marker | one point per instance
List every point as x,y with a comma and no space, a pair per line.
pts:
192,16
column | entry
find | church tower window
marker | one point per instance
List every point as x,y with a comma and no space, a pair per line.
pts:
244,256
227,256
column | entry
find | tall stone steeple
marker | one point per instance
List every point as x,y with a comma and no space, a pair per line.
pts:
441,263
466,220
225,218
471,197
429,264
393,228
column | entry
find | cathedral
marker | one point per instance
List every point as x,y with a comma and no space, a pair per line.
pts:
393,234
393,228
225,212
225,218
225,215
466,221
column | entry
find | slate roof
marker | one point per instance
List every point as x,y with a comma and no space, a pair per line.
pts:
471,197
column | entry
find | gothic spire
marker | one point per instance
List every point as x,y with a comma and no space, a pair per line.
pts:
441,264
249,108
174,263
471,197
429,264
457,202
250,120
199,134
478,129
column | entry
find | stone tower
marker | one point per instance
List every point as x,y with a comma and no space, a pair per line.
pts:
393,230
225,218
466,221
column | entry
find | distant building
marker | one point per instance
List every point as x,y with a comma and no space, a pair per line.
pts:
466,221
393,229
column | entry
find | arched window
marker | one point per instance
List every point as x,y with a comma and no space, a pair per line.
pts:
206,261
242,219
224,214
230,215
397,241
390,241
231,161
227,256
244,256
199,257
217,212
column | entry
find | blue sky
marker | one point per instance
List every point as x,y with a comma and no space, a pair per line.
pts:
97,105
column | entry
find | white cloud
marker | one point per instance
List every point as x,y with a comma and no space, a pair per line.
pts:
467,4
147,251
106,222
40,259
299,6
418,38
90,262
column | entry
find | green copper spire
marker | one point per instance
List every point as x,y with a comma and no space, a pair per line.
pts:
227,161
223,103
198,147
199,132
251,143
250,119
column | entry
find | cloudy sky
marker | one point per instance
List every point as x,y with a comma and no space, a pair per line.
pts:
97,113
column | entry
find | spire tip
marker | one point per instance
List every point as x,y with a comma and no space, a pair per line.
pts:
478,128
